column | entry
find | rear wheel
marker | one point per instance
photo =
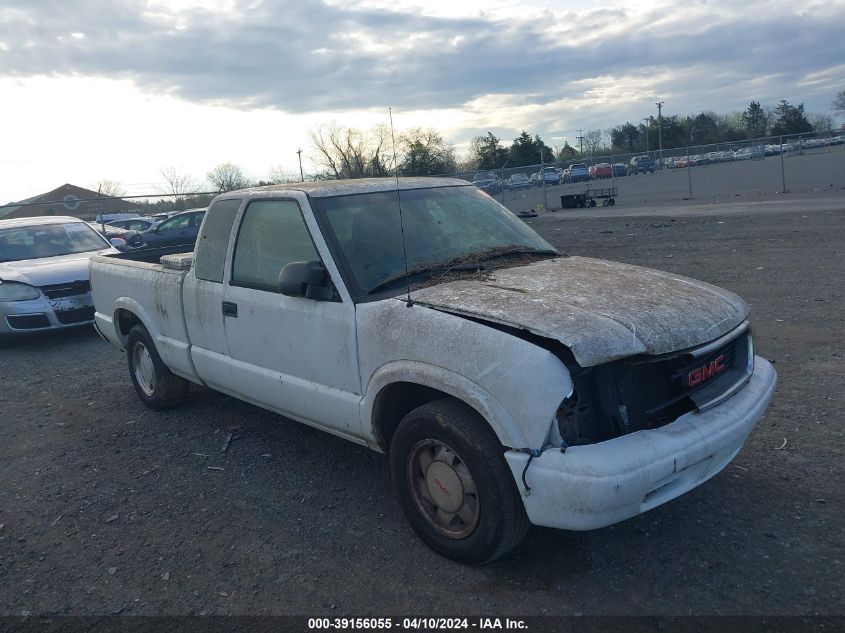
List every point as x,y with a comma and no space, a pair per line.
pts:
454,485
157,387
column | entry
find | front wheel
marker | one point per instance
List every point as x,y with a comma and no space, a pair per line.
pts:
157,387
454,485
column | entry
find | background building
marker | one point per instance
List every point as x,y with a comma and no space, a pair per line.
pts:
68,200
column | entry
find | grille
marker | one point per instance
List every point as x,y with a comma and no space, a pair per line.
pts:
646,393
28,321
71,289
652,392
78,315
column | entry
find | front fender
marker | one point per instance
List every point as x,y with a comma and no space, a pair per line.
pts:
515,385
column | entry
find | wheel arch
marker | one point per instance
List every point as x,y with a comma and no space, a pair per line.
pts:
399,387
127,314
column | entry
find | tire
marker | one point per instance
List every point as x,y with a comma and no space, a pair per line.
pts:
444,446
156,386
612,201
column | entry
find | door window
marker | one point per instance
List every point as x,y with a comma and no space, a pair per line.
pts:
272,234
181,222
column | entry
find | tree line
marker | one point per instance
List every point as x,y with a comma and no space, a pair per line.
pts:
339,152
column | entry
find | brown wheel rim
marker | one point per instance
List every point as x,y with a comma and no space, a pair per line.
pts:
443,489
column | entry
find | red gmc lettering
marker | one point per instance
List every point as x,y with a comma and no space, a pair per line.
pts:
702,374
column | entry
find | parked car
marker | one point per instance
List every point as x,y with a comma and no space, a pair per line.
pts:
487,181
641,165
601,171
174,233
578,173
106,218
44,280
566,392
135,224
121,239
551,175
518,181
536,180
620,169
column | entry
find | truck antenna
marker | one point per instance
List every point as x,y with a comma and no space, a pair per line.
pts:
408,303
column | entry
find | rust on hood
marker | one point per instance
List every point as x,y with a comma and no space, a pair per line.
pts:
601,310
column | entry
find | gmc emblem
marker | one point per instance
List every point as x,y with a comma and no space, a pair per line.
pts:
701,375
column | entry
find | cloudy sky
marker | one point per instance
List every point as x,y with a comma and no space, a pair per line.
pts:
94,89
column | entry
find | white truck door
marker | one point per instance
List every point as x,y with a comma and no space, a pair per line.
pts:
294,355
202,295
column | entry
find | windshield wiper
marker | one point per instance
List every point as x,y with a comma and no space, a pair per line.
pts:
504,251
419,270
474,261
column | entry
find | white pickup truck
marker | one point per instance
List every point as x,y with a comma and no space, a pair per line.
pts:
510,384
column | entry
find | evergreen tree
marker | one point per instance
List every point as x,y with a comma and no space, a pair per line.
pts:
755,120
790,119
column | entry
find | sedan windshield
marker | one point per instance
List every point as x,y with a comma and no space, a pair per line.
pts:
442,226
48,240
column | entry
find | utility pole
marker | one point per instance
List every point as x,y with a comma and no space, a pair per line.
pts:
301,174
543,175
580,139
659,105
646,120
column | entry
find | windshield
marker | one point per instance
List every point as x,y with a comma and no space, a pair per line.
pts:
48,240
441,225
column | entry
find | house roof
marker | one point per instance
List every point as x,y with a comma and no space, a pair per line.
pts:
67,199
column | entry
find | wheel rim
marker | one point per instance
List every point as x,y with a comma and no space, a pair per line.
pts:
443,489
142,366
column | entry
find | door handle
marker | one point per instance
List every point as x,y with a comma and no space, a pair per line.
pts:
230,309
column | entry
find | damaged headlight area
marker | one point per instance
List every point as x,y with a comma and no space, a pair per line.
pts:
16,291
647,392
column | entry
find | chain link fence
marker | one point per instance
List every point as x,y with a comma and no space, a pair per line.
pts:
803,164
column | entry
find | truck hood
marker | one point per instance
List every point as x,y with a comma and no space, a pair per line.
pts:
600,310
50,270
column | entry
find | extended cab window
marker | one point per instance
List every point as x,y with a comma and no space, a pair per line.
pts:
213,240
272,234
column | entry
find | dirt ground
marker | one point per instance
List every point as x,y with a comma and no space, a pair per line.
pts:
106,507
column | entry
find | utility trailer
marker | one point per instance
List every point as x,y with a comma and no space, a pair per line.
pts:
588,199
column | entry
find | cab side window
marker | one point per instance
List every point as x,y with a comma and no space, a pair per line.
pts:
211,246
272,233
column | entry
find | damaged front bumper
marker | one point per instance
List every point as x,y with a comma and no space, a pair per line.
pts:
43,313
593,486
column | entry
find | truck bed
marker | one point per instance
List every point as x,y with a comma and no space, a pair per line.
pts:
153,292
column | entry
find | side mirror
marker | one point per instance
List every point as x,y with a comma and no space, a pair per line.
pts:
117,242
305,279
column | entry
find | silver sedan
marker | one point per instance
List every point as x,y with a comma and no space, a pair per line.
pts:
44,280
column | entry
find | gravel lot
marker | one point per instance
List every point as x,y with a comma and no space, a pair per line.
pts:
106,507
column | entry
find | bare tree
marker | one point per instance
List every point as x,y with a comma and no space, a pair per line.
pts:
342,152
177,183
227,177
279,175
594,140
110,188
821,122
